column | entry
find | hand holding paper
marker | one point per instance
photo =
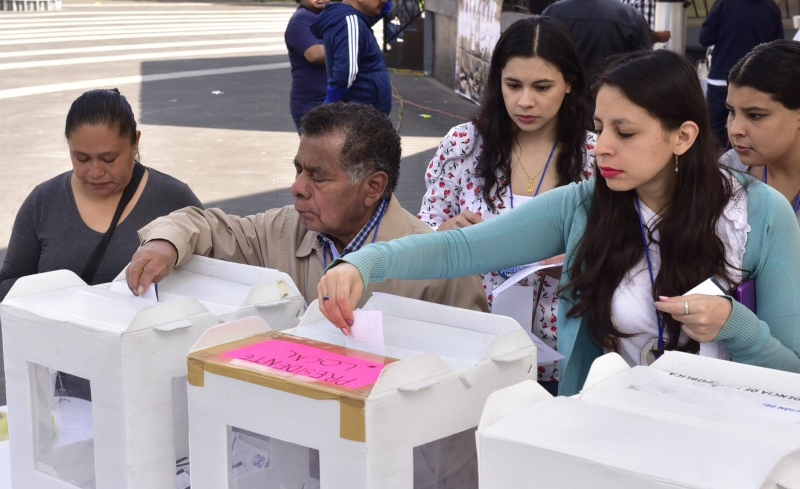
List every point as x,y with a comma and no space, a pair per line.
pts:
150,264
708,313
338,292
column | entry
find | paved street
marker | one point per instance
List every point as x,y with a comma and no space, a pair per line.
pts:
208,82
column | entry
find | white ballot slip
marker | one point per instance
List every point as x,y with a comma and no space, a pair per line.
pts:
122,287
366,334
522,274
247,458
151,293
712,349
517,303
183,482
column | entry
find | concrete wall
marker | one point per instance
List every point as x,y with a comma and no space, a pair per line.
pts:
441,29
441,26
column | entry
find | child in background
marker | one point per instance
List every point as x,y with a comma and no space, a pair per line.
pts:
353,60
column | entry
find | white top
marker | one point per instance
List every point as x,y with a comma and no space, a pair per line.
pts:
731,160
632,308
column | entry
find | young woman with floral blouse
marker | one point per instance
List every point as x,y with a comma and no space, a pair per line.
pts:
529,136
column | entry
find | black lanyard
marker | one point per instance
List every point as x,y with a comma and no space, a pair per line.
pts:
652,278
93,264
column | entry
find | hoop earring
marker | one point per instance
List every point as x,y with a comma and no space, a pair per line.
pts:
676,163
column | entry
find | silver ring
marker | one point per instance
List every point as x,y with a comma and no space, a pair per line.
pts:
686,308
325,297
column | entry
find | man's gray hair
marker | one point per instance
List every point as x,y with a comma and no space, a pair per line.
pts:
370,142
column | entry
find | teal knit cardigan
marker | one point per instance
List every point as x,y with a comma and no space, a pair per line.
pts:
554,223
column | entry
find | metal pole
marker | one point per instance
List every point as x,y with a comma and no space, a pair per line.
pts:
428,43
671,16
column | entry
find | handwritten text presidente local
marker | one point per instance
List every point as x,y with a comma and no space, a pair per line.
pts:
308,361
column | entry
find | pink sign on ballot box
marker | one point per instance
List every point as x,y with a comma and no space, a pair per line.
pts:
314,363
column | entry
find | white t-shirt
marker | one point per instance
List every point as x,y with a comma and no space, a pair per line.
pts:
632,308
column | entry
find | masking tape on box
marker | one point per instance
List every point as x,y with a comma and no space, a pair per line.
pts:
352,420
3,426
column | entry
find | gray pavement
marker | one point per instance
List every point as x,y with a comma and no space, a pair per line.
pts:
209,84
233,148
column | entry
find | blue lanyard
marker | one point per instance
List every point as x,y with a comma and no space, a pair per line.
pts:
541,179
796,205
374,237
508,272
652,279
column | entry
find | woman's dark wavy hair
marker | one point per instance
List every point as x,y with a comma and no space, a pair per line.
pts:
548,39
664,84
772,68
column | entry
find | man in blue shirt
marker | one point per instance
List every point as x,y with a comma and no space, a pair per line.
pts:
734,27
307,57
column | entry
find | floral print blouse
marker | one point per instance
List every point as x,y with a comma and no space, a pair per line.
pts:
454,184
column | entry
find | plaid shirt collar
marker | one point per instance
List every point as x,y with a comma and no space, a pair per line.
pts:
361,237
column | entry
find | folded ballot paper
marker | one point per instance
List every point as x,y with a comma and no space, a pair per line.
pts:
516,302
684,422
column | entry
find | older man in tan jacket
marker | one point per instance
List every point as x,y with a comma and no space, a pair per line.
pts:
348,164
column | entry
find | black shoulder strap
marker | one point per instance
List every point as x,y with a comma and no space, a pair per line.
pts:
93,264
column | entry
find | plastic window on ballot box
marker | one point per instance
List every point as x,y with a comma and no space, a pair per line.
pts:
447,463
63,426
260,462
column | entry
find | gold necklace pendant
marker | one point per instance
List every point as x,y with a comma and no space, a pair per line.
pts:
530,187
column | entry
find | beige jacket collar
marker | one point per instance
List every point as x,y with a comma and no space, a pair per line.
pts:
390,229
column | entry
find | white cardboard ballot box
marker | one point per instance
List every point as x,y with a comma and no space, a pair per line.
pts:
297,409
684,422
231,290
133,352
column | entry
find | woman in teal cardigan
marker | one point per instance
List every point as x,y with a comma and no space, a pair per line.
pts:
661,218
